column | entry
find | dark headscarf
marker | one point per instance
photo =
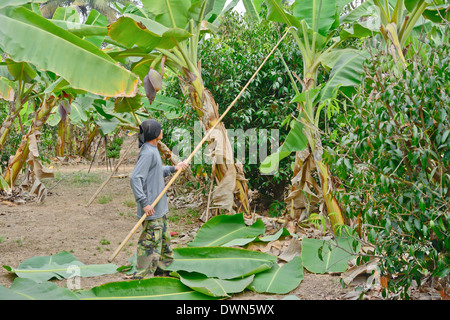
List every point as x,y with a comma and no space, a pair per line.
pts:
148,130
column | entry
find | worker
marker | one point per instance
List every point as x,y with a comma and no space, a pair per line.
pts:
154,252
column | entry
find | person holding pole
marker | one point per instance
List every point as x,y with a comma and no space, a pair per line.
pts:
154,252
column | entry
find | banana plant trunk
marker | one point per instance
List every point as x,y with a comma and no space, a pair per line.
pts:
301,196
87,142
23,150
7,124
231,184
61,140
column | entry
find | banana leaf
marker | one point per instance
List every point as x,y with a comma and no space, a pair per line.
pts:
59,266
26,289
276,12
346,73
170,13
295,141
81,63
6,91
94,30
280,280
132,30
127,104
159,288
20,71
66,14
171,107
5,3
221,262
243,241
223,228
212,286
321,256
280,233
320,15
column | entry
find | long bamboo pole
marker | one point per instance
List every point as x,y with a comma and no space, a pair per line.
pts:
175,176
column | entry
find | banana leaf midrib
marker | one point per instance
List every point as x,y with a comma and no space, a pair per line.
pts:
140,297
273,278
56,269
212,243
225,258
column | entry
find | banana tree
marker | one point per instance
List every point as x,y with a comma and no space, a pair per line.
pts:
26,36
152,34
19,82
396,20
316,27
23,150
399,18
73,63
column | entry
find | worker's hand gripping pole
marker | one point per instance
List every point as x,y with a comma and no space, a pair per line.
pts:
174,177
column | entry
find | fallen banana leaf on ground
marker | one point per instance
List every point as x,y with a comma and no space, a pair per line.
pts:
59,266
212,286
26,289
243,241
159,288
221,262
321,256
224,228
280,280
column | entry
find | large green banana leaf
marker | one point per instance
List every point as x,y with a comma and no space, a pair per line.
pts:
221,262
27,36
295,141
169,105
276,12
158,288
223,228
320,15
321,256
94,29
346,73
66,14
26,289
272,237
177,13
5,3
133,30
280,280
212,286
170,13
61,265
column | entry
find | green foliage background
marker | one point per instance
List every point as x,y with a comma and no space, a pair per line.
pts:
228,62
393,159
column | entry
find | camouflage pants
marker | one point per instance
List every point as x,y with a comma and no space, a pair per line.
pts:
153,249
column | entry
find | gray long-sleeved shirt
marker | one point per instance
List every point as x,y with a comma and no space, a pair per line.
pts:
147,181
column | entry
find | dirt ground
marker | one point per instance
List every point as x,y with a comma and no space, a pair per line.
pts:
91,234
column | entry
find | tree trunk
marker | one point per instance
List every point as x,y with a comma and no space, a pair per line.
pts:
231,192
8,122
61,140
305,193
22,152
87,143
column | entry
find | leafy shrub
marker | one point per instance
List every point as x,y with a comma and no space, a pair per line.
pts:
393,160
